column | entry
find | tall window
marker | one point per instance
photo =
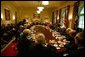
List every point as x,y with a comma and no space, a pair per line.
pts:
81,17
62,16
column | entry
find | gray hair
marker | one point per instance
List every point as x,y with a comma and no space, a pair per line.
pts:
40,38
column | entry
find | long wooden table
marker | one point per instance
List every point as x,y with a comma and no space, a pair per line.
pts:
49,37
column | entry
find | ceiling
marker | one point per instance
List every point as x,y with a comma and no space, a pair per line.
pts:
34,4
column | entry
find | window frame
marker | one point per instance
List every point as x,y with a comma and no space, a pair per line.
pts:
81,6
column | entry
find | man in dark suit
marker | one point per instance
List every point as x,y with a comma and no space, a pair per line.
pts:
40,48
79,42
24,43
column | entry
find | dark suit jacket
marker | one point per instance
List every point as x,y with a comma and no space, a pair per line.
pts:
78,52
40,50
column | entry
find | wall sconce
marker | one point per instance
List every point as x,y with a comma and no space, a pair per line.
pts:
13,17
1,16
70,16
58,18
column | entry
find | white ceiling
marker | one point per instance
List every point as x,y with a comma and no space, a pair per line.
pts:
34,4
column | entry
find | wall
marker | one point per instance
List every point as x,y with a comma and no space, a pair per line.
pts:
7,5
28,13
23,13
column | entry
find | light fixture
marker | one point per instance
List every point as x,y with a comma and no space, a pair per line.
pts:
1,16
70,16
45,2
13,17
40,8
58,18
38,12
46,20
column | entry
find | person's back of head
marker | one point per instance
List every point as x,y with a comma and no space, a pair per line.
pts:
79,38
72,33
26,32
24,20
40,38
67,30
21,27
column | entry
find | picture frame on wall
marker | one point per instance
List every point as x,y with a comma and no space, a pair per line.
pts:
7,14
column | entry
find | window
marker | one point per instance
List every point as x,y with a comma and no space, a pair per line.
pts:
81,18
81,22
62,16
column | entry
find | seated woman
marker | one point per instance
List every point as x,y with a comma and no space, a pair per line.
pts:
40,48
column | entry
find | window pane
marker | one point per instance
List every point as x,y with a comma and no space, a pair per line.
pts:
81,22
82,11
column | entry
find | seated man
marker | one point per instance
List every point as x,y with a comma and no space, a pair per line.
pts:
40,48
24,42
79,41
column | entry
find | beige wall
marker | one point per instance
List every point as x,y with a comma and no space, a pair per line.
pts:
28,13
9,6
23,13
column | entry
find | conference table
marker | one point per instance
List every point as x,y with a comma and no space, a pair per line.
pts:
52,37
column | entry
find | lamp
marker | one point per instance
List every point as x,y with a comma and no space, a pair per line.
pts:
40,8
38,12
45,2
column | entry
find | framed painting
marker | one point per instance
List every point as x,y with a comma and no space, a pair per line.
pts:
7,14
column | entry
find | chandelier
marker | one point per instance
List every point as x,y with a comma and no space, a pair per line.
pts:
40,8
45,2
